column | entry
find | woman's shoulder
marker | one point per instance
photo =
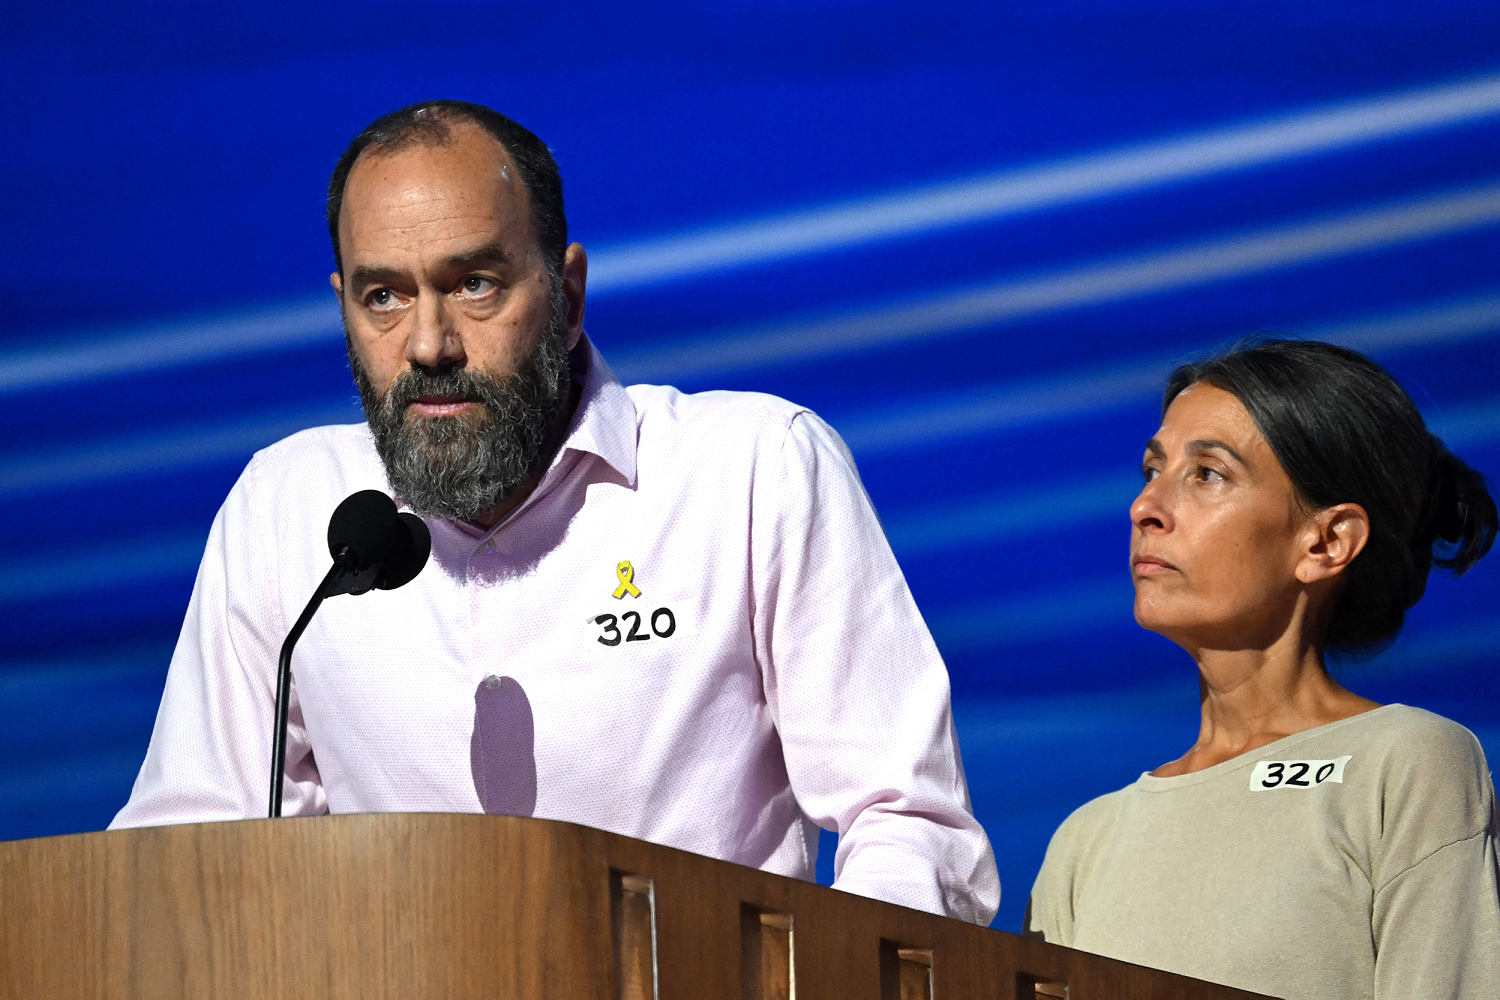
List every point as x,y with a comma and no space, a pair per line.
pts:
1410,718
1085,824
1429,788
1415,738
1413,760
1069,858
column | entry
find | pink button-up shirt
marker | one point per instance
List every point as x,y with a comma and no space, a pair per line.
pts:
756,671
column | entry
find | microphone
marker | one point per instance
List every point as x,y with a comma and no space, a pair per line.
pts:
374,547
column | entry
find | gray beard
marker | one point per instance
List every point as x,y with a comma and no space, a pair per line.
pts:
461,467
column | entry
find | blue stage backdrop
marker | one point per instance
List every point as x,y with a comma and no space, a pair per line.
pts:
974,237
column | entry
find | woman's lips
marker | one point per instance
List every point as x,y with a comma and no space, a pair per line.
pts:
1150,566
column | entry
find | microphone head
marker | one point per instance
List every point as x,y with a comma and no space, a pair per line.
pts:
374,546
360,532
408,555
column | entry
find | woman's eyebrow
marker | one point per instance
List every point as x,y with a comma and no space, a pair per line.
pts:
1198,445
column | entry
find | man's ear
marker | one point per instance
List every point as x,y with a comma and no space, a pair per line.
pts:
574,277
337,281
1335,535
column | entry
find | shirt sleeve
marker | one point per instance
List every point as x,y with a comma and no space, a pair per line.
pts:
857,689
1436,913
1049,911
210,752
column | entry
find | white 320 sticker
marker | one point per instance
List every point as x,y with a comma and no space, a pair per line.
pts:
1269,774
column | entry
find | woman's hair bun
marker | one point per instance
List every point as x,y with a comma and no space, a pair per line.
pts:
1462,518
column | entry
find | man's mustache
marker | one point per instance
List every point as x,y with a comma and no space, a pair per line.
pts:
456,384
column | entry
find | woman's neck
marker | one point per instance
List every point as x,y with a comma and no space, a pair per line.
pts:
1252,697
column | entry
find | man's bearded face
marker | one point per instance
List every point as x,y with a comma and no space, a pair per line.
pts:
462,466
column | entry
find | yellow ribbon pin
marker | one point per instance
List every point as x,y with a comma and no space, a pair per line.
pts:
625,573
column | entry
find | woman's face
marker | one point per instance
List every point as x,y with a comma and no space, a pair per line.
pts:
1217,531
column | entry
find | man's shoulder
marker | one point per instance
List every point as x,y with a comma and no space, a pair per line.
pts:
726,422
333,455
330,438
716,406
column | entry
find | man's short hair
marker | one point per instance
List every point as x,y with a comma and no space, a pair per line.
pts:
429,124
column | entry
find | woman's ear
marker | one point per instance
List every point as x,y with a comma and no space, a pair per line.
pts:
1335,535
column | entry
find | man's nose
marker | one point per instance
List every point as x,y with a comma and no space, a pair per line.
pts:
434,340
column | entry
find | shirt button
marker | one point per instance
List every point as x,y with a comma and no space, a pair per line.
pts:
492,682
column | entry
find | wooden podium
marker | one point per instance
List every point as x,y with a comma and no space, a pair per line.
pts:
445,906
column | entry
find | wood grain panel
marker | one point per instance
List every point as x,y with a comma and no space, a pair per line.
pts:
426,905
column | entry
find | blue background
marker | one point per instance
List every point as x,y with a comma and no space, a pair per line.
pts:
974,238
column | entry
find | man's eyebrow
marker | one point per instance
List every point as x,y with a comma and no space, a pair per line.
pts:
490,253
1210,444
360,277
1155,450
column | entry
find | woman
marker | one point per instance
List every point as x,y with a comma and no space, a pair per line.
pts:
1311,843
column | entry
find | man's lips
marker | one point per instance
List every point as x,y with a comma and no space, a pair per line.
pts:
441,406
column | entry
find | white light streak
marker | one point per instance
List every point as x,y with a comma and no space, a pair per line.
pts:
1113,279
1003,193
1002,406
132,350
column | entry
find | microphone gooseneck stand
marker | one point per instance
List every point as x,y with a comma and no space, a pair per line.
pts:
374,547
284,677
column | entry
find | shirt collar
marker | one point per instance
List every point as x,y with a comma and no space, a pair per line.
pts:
604,423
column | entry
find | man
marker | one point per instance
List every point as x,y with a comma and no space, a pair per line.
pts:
669,616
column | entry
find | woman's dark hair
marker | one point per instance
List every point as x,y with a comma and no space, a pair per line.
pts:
1345,432
429,124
